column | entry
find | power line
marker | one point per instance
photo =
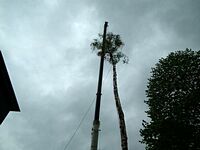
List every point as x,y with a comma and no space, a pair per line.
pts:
79,125
84,116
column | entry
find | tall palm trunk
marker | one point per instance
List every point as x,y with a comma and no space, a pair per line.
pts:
122,125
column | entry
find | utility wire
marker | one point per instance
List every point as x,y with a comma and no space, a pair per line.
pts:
79,125
104,80
84,116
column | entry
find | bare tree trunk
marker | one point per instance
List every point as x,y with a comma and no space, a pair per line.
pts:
122,125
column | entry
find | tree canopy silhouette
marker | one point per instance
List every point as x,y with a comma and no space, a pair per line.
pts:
173,94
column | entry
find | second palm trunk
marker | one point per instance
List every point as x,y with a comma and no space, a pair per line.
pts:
122,125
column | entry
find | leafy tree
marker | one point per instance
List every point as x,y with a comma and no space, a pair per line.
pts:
113,55
173,94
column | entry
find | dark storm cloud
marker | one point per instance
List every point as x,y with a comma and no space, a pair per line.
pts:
140,21
54,72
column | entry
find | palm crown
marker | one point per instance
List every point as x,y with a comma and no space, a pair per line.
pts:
113,47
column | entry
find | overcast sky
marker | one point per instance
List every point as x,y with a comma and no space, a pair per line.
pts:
46,47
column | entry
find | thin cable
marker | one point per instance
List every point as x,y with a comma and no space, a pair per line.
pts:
83,118
79,125
104,80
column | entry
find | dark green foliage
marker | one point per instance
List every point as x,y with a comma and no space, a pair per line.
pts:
173,94
113,45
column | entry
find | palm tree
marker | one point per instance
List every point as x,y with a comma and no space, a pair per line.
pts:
113,55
